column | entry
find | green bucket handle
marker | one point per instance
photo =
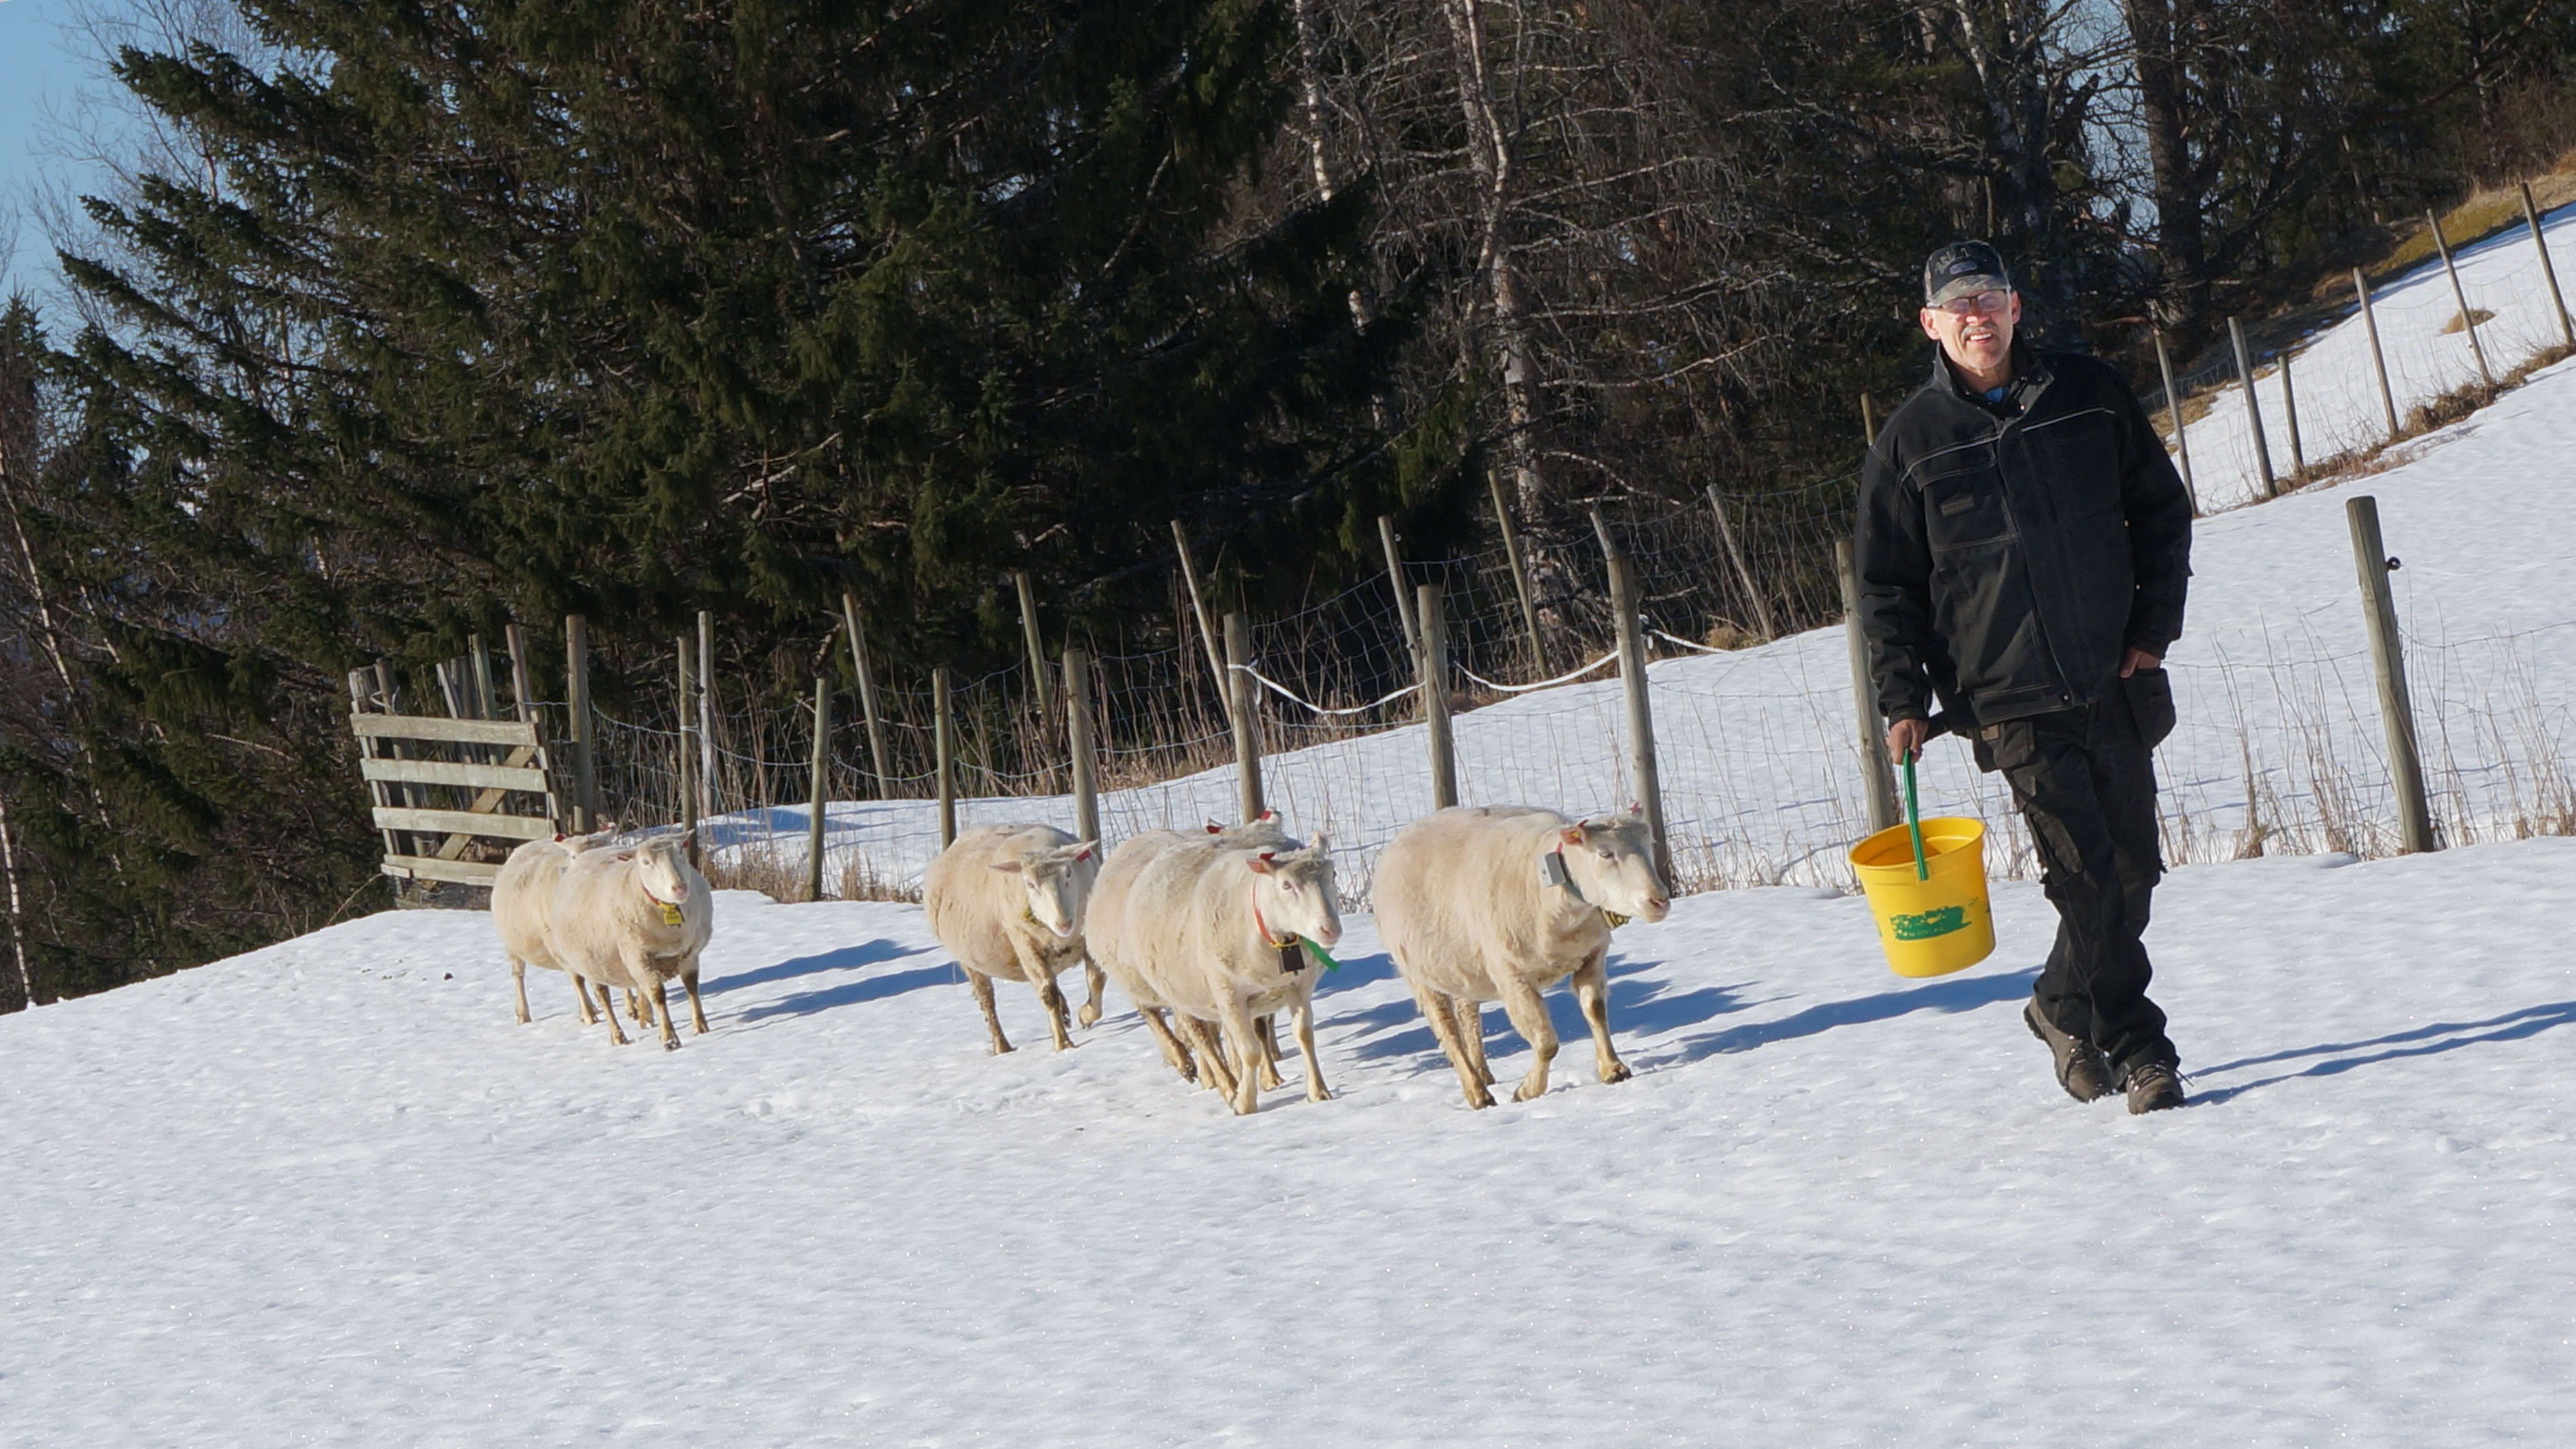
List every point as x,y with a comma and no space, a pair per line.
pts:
1914,821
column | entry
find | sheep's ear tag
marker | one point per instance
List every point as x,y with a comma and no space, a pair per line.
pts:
670,913
1551,869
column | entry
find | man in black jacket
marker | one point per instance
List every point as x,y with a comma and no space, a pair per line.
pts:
2023,546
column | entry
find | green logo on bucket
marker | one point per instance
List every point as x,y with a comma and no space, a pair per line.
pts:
1931,923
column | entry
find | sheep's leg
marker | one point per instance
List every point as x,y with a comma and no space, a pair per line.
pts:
1529,1018
1444,1029
1246,1042
1035,969
983,987
1305,1022
519,982
662,1014
1592,988
1471,1033
1098,980
1173,1051
608,1008
1270,1078
581,998
1214,1070
697,1008
635,1008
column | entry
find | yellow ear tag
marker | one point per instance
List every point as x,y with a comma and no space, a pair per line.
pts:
670,913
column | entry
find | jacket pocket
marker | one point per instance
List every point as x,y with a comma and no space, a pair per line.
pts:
1964,506
2151,703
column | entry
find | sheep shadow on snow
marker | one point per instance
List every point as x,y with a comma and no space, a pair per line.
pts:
1638,1009
873,987
1949,994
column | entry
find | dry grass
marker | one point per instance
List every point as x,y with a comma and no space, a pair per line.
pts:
2478,316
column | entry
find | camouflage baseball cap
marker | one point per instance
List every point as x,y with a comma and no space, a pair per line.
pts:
1961,268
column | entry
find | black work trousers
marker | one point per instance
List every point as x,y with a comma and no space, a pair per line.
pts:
2085,781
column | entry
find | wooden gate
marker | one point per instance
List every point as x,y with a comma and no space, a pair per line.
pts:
440,789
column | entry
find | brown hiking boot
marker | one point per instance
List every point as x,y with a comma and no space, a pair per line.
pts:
2081,1069
2153,1087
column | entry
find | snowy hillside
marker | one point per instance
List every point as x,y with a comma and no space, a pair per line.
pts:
331,1193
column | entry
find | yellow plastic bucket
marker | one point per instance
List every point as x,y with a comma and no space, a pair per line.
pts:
1941,923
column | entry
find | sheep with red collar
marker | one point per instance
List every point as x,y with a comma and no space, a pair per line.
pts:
1008,901
1228,931
635,917
523,898
1478,904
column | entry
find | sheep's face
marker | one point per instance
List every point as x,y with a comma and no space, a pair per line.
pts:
1057,883
662,868
1611,859
1294,891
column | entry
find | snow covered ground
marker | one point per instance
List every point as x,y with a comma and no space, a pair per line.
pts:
331,1193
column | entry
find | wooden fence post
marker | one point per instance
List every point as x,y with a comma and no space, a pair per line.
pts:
1395,578
379,794
2459,294
816,797
706,705
1868,423
1743,575
487,701
2378,359
1244,702
1207,627
2253,408
1086,764
689,764
523,699
2290,405
1876,776
1029,631
585,761
2548,272
1632,678
1431,667
2173,408
943,734
2387,658
1520,572
877,763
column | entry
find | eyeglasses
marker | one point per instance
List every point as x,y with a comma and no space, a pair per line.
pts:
1990,302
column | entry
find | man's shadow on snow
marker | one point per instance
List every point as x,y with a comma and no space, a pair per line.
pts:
2421,1041
848,993
1647,1007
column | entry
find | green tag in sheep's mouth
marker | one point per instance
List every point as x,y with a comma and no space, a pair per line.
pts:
1322,957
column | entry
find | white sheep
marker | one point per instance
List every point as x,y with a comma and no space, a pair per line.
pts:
1115,936
523,903
1480,904
1008,901
1216,932
635,917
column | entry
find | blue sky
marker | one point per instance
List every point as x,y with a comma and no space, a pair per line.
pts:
41,71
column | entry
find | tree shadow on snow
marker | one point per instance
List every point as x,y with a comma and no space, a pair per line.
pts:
843,959
1951,994
2421,1041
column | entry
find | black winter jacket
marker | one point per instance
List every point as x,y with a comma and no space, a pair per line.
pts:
2008,552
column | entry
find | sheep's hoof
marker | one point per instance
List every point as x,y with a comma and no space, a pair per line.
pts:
1529,1091
670,1044
1089,1015
1616,1072
1480,1099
